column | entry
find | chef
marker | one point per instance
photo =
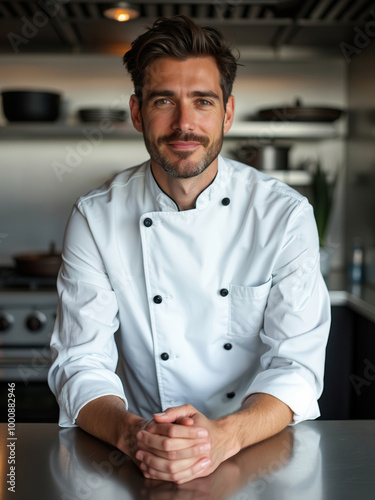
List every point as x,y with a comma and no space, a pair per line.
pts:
193,317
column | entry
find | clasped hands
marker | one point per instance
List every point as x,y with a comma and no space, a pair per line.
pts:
182,444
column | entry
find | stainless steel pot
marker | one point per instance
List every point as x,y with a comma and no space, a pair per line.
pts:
274,157
268,157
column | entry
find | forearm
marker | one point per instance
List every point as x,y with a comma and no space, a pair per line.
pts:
107,418
260,417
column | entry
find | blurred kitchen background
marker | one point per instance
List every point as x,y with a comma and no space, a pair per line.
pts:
317,52
309,66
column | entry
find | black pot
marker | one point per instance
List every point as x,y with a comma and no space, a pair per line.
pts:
30,106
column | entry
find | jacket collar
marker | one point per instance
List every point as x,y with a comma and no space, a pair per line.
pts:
211,193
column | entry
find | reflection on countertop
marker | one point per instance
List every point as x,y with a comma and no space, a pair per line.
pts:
83,466
310,461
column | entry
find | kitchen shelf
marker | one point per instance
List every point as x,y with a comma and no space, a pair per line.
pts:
292,177
240,130
286,130
58,130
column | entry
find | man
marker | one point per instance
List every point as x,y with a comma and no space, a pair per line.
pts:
208,268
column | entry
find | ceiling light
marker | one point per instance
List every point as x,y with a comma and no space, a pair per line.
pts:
121,11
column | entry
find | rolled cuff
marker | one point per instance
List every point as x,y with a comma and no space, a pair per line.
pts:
291,389
84,387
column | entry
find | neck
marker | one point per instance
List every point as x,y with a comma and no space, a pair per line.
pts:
184,192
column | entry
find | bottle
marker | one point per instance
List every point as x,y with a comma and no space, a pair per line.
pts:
356,265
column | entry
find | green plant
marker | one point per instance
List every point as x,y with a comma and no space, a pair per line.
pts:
323,191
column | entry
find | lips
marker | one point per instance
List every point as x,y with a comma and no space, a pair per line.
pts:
184,145
183,141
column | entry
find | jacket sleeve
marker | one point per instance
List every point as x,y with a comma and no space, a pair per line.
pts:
296,321
84,353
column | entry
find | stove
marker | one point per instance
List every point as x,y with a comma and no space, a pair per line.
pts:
27,308
27,315
11,278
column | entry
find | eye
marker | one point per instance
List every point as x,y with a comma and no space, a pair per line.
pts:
162,102
204,102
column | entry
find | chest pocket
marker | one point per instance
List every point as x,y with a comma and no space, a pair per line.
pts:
246,308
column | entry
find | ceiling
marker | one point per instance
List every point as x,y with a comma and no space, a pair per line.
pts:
71,26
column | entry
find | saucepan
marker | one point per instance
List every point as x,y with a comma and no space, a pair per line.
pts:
39,264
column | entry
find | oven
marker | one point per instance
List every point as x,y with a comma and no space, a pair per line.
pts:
27,315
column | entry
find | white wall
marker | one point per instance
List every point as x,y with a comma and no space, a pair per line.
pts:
35,203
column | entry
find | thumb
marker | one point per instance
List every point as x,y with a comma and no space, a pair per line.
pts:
179,415
163,417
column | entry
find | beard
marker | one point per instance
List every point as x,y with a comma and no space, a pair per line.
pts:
182,167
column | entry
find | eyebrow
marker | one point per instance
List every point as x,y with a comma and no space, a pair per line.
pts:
194,93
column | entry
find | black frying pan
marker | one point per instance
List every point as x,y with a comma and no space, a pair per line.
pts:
299,113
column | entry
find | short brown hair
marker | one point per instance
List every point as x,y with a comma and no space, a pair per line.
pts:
180,37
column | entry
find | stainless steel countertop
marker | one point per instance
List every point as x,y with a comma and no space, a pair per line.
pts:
312,461
359,298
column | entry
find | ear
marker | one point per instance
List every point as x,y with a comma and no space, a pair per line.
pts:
229,114
135,113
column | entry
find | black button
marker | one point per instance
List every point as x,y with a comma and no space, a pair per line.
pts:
158,299
164,356
228,346
231,395
224,292
147,222
225,201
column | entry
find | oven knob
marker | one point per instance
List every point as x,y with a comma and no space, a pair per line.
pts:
6,321
35,321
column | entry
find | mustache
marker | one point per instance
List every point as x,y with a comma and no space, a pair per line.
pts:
177,136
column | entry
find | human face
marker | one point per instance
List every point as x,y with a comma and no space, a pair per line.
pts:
182,116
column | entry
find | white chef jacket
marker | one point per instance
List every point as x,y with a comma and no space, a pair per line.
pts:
205,306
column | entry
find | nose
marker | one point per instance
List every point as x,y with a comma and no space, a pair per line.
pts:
184,118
